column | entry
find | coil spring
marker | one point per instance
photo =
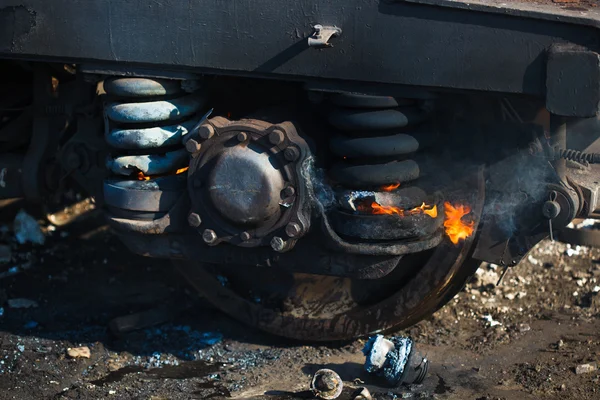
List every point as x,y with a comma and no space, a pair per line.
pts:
373,142
147,118
577,156
145,121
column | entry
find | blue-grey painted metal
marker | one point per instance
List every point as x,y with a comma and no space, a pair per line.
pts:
156,111
149,138
141,87
149,164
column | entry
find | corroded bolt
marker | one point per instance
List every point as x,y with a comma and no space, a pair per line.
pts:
245,236
277,244
206,131
291,153
194,220
326,384
289,191
293,229
276,137
242,136
192,146
209,236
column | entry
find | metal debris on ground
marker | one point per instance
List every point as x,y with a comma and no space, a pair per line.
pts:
22,303
79,352
27,229
326,384
586,368
362,394
395,359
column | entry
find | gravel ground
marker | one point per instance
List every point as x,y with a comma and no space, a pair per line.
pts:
521,340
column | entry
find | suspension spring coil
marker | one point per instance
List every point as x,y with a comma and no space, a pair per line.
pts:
146,120
375,137
577,156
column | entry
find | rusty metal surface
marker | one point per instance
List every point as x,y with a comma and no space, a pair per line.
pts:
246,182
323,308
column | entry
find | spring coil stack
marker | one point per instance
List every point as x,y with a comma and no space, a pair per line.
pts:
145,122
375,141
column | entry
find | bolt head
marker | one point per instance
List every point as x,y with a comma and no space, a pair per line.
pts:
206,131
245,236
289,191
242,137
293,229
194,220
277,244
291,153
276,137
192,146
209,236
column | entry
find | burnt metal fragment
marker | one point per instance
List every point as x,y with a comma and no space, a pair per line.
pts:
395,360
326,384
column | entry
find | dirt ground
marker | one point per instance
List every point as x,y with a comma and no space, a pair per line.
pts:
521,340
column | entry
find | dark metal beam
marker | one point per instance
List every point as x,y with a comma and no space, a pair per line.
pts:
407,43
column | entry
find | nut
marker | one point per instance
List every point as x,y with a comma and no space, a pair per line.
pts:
192,146
242,137
291,153
277,244
209,236
289,191
326,384
245,236
194,220
276,137
293,229
206,131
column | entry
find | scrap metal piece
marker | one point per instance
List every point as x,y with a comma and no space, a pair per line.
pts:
326,384
321,35
362,393
395,360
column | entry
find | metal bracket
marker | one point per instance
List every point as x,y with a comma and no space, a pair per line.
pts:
321,35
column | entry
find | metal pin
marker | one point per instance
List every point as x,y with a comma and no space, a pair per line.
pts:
502,276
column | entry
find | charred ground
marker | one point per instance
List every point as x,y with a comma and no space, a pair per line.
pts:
523,339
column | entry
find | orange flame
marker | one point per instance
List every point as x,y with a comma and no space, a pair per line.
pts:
390,187
378,209
456,228
142,177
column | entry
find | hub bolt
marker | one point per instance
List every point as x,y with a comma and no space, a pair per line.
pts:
293,229
194,220
242,137
289,191
277,244
192,146
276,137
206,131
245,236
291,153
209,236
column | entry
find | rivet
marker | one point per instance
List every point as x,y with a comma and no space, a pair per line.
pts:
291,153
277,244
192,146
242,137
293,229
276,137
245,236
